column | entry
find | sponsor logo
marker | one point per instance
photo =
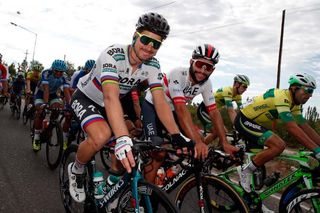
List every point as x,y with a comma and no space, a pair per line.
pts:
115,50
108,65
113,190
176,82
299,199
78,109
263,106
255,126
129,81
188,91
174,180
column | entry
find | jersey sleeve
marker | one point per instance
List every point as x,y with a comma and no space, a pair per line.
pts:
227,96
44,77
282,105
107,61
155,76
208,98
175,87
297,115
66,81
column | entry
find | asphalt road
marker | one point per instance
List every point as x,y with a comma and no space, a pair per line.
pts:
26,182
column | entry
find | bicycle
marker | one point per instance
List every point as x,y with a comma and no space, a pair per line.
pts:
197,185
15,107
28,110
130,194
305,176
54,142
3,101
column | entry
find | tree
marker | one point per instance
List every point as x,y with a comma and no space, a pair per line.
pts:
12,69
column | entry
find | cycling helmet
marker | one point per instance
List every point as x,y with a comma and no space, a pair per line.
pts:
242,79
20,75
155,23
37,68
206,51
59,65
303,80
89,64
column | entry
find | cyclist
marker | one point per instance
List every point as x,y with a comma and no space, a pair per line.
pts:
254,122
3,79
80,73
32,80
182,85
224,98
96,102
46,94
17,88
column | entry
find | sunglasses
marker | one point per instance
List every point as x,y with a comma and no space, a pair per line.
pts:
144,39
307,90
201,64
244,86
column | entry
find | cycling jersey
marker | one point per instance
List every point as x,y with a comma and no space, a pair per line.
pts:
273,104
179,89
48,78
113,67
17,87
34,79
75,78
3,73
224,97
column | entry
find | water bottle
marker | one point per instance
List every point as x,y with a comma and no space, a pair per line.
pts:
258,179
45,123
160,177
99,185
172,172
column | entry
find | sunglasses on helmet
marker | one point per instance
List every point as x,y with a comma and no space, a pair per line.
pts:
144,39
201,64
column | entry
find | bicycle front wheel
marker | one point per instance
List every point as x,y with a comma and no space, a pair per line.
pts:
218,196
307,200
54,147
151,199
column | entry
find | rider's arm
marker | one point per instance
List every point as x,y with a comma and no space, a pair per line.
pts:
28,86
232,114
185,121
164,111
45,93
217,121
5,87
300,135
66,92
114,109
311,133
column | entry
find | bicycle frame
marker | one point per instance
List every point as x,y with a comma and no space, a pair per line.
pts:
306,162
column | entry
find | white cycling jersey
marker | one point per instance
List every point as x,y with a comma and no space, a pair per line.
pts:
179,89
113,67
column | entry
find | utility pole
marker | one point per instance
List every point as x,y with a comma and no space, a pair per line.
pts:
26,55
280,49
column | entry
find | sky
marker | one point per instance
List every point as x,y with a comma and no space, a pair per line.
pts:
246,33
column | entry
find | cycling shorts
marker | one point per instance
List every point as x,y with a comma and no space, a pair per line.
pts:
53,98
250,130
85,110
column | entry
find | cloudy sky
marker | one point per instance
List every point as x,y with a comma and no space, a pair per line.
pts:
246,32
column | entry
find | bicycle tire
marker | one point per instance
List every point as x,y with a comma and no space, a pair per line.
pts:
290,191
18,108
54,148
223,197
69,204
303,202
159,199
25,116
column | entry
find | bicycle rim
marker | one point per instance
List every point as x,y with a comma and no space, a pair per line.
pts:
305,201
223,198
151,199
54,147
105,158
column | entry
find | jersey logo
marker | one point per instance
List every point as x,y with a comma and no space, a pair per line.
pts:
191,91
176,82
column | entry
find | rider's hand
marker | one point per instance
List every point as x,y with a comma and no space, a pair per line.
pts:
181,142
43,106
316,152
123,152
201,151
229,149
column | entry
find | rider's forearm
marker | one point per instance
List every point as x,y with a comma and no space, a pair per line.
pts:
232,114
218,125
164,112
185,121
114,111
28,85
311,133
300,135
5,86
